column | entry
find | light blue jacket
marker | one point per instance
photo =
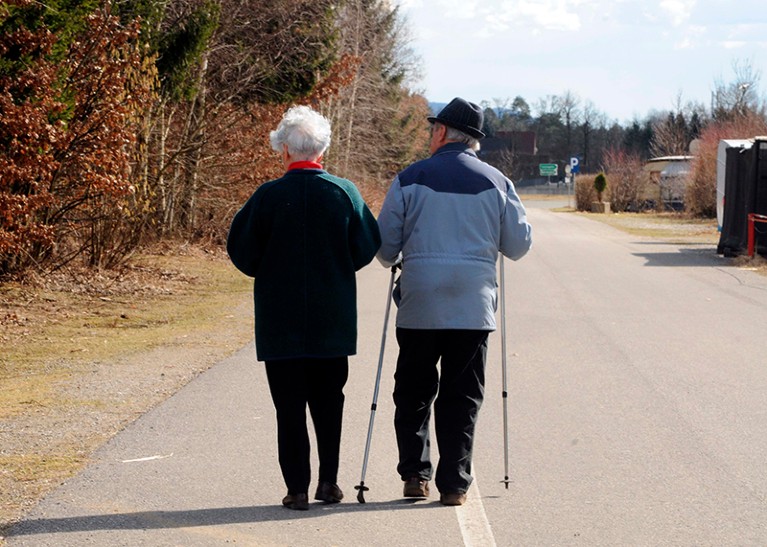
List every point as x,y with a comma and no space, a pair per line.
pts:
447,218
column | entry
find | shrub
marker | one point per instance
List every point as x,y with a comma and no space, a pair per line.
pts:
627,180
584,192
66,133
600,185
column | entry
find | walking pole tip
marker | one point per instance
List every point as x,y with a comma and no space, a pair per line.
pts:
361,491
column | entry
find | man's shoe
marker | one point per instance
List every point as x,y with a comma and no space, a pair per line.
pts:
299,502
416,487
453,498
328,492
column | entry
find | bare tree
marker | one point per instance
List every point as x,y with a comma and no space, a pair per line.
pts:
740,97
627,178
671,135
375,119
220,61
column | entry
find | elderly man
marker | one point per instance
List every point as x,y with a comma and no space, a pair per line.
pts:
446,218
303,237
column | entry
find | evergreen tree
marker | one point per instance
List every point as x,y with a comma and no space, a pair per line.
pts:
491,121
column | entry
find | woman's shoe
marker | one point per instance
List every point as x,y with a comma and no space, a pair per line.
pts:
299,502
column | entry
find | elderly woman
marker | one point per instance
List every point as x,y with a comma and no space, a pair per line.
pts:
303,237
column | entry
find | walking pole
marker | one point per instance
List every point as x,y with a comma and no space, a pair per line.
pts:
504,393
361,487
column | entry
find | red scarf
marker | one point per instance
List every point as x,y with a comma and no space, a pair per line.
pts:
304,165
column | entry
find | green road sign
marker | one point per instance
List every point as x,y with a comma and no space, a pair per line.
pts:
548,169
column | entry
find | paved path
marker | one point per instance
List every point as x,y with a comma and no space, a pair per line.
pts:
638,416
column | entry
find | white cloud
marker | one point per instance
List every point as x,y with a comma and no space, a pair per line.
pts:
494,27
459,9
747,32
540,14
691,37
678,10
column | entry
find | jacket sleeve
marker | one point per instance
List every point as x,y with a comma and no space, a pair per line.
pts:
244,242
364,237
516,232
391,221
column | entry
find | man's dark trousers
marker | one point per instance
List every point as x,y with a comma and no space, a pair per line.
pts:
458,386
318,383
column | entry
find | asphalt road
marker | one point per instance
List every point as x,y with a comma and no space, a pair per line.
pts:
637,416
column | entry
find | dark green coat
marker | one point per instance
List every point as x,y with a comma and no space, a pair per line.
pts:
303,237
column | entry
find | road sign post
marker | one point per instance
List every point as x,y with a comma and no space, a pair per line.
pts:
574,167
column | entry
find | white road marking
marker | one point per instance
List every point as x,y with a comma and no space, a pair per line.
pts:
472,520
148,458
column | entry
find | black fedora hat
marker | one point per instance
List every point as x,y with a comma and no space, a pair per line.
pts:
462,115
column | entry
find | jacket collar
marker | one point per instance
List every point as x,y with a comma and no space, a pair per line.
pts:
455,147
304,165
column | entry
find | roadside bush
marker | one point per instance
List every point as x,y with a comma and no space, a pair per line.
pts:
66,133
627,179
585,193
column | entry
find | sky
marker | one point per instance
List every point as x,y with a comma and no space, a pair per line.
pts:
627,57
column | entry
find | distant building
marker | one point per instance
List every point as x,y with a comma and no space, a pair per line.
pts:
518,142
513,152
668,178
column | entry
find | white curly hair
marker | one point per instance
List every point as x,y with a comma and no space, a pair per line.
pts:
305,132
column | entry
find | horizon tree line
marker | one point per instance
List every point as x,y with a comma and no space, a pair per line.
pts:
566,126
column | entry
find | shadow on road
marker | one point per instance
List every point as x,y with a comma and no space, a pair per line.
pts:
152,520
690,255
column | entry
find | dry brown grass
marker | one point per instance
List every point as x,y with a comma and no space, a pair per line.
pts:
674,227
756,263
82,358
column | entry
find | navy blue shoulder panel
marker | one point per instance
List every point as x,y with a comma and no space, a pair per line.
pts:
453,172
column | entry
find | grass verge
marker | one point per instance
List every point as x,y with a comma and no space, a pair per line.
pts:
669,226
678,229
83,356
